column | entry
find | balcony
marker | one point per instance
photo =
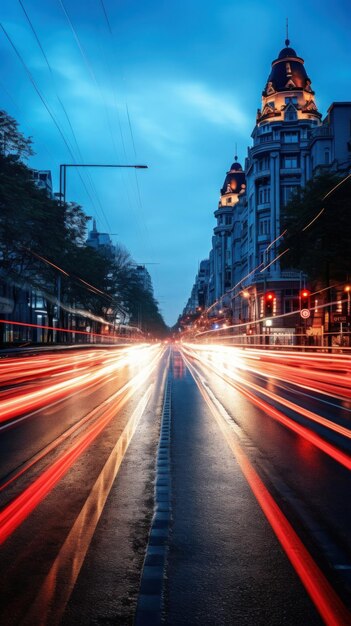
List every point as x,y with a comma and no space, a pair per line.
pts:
322,131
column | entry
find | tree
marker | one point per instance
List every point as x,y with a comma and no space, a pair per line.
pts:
318,230
11,139
42,248
143,307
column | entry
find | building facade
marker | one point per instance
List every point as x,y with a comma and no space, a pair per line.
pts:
291,144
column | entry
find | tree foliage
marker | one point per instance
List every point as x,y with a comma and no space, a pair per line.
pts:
318,230
43,246
11,139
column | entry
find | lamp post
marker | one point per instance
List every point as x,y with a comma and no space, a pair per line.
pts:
62,199
64,166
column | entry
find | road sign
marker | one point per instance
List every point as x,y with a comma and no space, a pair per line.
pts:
305,313
340,319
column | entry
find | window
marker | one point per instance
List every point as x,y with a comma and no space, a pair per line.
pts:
290,162
290,137
264,226
290,114
263,164
291,100
265,138
262,255
228,220
287,192
291,304
228,200
264,195
291,292
326,157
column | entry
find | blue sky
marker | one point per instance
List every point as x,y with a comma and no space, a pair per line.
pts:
174,85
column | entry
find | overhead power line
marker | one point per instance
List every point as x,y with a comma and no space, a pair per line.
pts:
37,89
66,115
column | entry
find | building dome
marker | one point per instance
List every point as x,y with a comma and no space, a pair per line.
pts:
236,167
234,181
287,73
287,52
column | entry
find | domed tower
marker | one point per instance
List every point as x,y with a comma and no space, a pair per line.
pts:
234,184
278,165
288,94
233,187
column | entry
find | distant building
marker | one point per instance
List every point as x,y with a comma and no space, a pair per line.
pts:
221,261
43,180
101,241
199,293
144,278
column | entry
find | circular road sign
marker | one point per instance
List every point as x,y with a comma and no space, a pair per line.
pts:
305,313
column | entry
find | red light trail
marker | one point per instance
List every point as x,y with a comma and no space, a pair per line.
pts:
325,599
77,372
19,509
233,378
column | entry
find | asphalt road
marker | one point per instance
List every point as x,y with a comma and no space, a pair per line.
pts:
225,563
252,515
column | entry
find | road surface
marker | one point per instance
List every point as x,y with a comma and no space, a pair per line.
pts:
191,484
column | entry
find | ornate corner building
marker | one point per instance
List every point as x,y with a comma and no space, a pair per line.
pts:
291,144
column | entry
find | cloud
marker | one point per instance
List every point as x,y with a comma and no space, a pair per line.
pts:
158,134
217,108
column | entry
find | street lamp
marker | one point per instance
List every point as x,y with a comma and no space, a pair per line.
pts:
62,199
63,167
347,290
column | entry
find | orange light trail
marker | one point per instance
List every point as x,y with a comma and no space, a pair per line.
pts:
16,402
314,219
241,384
19,509
326,601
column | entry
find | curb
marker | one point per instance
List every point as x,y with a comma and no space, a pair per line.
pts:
149,605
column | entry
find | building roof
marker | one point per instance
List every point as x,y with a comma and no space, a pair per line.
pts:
287,73
234,181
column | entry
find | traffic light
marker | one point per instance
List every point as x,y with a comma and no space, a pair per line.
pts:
304,299
268,303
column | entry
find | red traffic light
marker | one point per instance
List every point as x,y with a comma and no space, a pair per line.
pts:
268,303
305,299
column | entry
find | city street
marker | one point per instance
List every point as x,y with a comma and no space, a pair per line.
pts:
175,314
191,484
